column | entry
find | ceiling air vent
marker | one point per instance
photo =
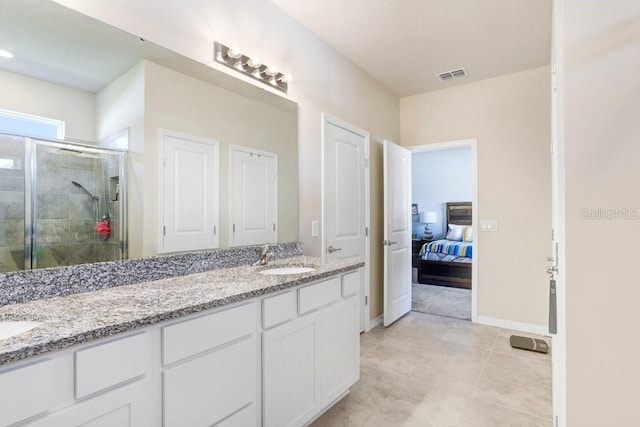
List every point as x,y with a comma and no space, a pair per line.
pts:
454,74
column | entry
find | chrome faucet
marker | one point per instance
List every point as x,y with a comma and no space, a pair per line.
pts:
265,256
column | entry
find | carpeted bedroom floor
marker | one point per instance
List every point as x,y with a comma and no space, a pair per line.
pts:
441,301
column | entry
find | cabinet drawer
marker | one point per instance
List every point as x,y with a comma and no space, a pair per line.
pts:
115,362
246,417
33,389
351,283
318,295
194,336
278,309
208,389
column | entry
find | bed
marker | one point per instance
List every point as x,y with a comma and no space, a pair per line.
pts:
445,262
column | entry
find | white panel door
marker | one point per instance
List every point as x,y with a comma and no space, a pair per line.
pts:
189,193
397,232
253,197
344,195
345,198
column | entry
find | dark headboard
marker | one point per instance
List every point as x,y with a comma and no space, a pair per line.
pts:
459,213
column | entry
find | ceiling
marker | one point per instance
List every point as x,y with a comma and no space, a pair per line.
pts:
56,44
405,44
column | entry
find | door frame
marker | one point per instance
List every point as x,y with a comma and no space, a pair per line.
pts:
558,212
365,313
473,144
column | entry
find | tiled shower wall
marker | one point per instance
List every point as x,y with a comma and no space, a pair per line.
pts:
12,205
65,216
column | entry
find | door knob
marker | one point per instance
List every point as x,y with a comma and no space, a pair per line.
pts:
389,243
331,249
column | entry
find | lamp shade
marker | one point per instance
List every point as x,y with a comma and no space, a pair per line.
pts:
430,217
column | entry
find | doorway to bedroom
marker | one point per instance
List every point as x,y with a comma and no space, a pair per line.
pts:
444,209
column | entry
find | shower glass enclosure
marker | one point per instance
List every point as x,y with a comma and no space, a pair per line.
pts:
61,203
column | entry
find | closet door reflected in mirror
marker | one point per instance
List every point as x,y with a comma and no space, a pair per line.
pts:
189,193
253,196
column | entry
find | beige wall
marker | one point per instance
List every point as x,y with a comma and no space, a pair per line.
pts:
148,98
180,103
510,117
324,81
32,96
602,173
120,105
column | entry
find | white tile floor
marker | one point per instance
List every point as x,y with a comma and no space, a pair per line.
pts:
427,370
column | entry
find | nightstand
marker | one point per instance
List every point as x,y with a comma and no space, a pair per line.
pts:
416,245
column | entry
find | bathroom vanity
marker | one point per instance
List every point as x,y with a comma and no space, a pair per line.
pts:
228,347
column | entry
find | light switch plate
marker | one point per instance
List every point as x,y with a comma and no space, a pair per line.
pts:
488,225
315,228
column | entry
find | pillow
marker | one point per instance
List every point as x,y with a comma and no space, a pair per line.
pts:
455,232
467,234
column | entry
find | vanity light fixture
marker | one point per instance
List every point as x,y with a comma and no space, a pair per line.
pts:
5,54
251,66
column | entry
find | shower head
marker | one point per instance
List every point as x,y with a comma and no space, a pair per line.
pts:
85,190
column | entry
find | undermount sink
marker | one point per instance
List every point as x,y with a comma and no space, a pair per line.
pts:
280,271
13,328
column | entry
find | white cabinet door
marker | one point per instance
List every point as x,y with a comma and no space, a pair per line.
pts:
189,193
35,389
337,350
128,406
253,197
210,388
289,373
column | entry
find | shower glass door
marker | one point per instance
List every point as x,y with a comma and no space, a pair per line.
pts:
60,204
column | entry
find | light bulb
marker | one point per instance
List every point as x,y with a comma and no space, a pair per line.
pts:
254,62
234,52
286,78
271,71
6,54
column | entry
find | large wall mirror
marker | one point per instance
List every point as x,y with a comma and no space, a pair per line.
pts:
113,91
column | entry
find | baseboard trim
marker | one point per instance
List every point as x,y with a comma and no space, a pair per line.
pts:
516,326
373,323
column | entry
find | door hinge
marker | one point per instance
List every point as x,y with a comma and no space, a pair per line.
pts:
274,227
366,162
215,229
234,228
366,300
553,234
164,230
366,231
164,160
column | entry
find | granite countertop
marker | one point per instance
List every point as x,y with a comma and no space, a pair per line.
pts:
84,317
